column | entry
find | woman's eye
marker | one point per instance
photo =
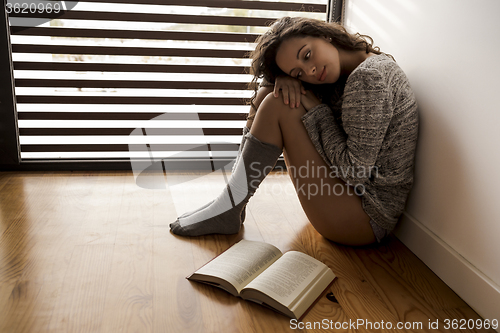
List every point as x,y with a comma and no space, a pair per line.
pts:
299,74
308,55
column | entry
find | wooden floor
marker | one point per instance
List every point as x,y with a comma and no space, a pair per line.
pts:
92,252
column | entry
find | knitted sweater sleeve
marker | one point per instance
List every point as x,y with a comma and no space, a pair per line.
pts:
351,149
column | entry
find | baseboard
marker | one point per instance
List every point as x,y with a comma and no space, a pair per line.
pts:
475,288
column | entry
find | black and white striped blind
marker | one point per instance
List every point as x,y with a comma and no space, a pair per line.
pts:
172,70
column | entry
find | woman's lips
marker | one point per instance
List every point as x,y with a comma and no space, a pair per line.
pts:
322,76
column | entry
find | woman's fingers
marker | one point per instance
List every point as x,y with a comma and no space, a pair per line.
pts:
291,96
291,89
277,89
285,93
294,94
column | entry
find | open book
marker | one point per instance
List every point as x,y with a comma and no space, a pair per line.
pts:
288,283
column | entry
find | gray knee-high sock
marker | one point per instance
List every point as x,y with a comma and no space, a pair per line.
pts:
246,130
223,215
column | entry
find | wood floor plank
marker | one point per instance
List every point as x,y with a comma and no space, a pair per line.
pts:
129,295
5,177
175,304
18,248
272,223
402,304
92,252
81,303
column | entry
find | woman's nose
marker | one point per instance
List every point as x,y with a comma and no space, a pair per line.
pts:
312,70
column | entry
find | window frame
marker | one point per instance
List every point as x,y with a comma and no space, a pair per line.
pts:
10,155
10,150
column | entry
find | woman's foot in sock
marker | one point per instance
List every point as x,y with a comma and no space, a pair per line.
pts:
242,217
203,222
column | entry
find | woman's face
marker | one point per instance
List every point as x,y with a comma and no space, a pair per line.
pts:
310,59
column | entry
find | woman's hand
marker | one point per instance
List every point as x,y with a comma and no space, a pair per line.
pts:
291,88
309,100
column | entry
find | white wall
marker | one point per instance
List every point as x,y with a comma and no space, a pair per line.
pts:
450,50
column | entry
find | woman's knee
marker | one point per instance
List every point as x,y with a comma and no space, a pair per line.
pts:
277,106
255,104
262,93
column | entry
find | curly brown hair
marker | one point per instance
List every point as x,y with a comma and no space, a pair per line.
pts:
264,56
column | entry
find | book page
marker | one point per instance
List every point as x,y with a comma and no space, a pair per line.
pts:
242,262
287,278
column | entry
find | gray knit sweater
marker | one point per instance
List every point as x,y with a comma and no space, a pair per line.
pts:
373,143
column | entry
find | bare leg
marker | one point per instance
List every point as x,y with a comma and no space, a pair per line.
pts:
261,94
332,207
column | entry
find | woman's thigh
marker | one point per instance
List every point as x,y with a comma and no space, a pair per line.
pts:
331,206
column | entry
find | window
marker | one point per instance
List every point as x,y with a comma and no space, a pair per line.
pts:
120,79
